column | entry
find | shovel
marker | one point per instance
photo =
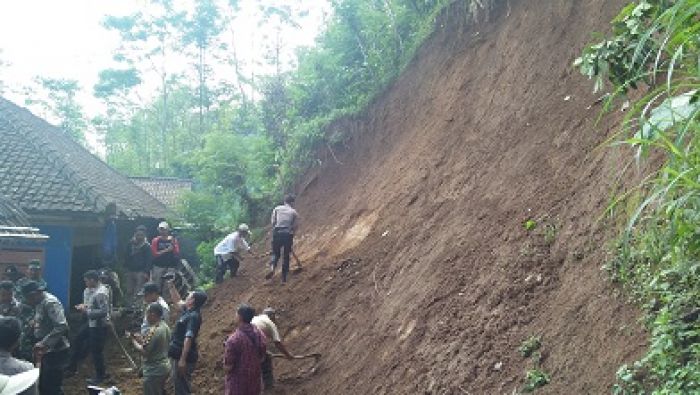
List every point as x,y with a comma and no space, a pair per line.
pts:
134,367
298,268
315,356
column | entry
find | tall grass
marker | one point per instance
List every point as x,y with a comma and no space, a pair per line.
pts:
655,53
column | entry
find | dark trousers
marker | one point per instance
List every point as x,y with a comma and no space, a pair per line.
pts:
51,374
90,341
222,265
282,243
267,375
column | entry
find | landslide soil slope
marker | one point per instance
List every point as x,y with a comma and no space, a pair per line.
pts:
419,276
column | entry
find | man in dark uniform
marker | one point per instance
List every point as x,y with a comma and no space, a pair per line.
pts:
51,332
11,307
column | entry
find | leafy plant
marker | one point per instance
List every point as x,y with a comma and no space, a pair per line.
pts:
529,346
530,224
655,47
534,379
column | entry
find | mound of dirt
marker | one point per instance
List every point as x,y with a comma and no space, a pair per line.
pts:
420,276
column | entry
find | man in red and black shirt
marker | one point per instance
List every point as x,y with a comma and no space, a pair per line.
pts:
166,253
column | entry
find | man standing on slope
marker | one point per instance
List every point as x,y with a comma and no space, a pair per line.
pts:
228,252
266,323
285,222
244,351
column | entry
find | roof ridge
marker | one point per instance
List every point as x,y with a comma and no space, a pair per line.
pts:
91,182
52,154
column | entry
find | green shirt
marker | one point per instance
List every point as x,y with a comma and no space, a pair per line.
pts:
155,355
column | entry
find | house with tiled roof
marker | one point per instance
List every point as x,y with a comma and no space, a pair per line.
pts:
168,190
19,242
68,194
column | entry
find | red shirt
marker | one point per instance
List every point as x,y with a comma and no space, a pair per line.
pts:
245,350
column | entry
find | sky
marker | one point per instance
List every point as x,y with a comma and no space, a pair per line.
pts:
65,39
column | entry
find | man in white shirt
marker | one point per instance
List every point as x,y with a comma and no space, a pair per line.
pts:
266,323
285,222
228,252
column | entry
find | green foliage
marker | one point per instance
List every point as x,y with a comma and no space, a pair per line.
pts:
534,379
205,251
658,255
529,346
365,46
57,98
530,224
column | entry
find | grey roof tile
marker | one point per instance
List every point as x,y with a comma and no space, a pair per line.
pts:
43,169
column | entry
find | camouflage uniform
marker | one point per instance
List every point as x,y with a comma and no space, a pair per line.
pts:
25,314
20,283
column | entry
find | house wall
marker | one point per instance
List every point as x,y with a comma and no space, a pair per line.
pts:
59,254
19,256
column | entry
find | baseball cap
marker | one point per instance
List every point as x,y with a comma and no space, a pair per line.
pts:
11,270
11,385
31,287
35,264
163,225
243,228
150,288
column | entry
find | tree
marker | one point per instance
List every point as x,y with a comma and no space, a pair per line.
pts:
147,40
3,64
201,30
57,100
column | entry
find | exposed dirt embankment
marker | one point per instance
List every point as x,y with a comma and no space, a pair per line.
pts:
420,276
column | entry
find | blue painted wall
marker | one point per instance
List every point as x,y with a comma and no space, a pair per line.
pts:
59,253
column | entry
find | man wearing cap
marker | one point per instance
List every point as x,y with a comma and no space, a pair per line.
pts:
14,275
228,252
138,264
265,322
10,334
11,307
151,294
91,337
51,330
285,222
165,251
33,274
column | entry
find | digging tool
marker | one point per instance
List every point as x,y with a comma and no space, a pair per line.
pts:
121,346
315,356
298,268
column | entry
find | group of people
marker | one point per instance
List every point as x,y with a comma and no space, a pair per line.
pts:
284,222
149,261
34,331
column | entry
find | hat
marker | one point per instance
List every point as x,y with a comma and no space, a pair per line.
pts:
35,264
31,287
11,385
141,228
11,270
150,288
163,225
243,228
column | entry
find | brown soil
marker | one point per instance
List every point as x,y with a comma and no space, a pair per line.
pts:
419,275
